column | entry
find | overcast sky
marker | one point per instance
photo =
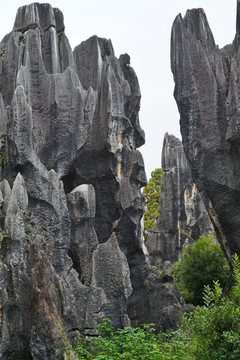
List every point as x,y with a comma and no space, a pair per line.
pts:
141,28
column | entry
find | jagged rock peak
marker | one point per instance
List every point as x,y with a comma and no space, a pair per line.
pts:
170,144
38,15
196,22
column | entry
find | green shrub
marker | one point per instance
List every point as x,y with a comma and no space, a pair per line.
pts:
201,264
132,344
214,329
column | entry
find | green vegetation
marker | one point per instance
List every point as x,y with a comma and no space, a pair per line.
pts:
210,332
152,193
2,157
131,344
214,329
201,264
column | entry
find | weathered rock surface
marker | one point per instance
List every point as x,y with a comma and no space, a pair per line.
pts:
181,207
207,94
70,192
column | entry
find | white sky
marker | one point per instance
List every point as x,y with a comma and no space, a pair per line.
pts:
142,29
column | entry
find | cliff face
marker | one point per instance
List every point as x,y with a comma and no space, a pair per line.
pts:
70,192
207,94
181,208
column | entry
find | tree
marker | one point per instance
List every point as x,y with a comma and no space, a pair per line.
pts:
152,193
200,265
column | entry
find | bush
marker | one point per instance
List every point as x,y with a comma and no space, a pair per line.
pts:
201,264
132,344
214,329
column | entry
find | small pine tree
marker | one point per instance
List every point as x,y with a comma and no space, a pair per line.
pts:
152,193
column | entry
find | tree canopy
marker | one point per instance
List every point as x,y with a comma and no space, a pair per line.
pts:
152,193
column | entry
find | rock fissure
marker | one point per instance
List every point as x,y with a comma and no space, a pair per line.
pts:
29,27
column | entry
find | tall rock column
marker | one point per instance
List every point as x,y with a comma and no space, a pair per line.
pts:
207,95
181,207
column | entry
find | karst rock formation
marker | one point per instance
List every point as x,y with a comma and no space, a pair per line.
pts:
183,217
207,82
70,192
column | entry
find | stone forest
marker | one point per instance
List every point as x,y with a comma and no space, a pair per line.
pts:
72,249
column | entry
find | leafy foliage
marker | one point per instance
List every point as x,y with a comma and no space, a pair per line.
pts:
214,329
235,293
201,264
131,344
152,193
